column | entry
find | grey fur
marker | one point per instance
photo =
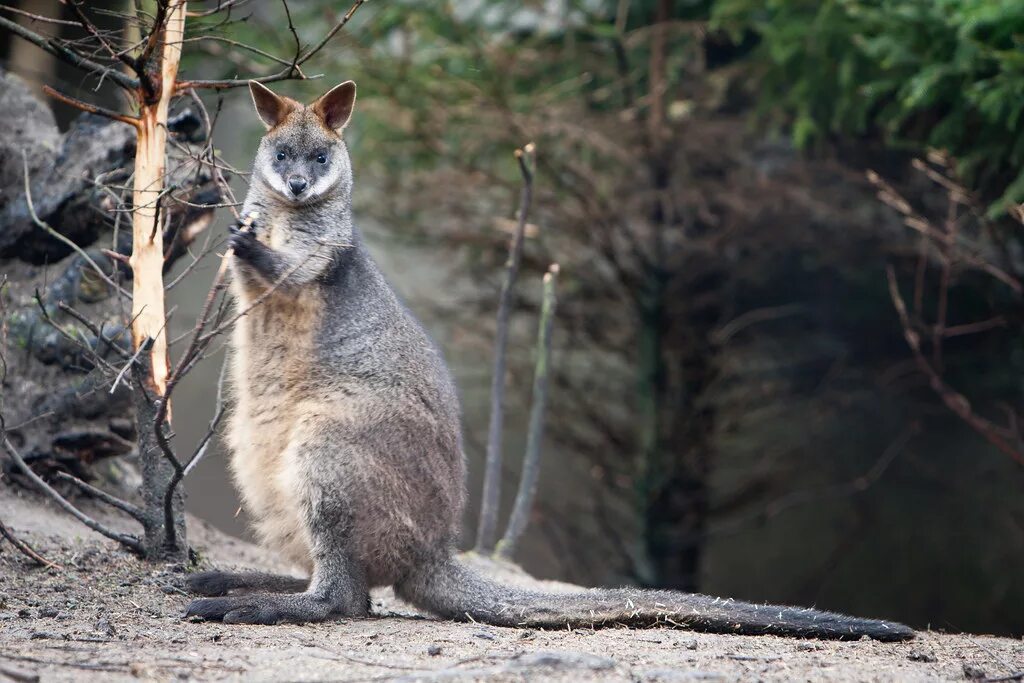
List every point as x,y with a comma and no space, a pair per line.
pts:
347,444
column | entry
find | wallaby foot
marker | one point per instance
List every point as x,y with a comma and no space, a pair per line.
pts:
216,583
275,609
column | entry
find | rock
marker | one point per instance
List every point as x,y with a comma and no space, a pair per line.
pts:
45,635
434,650
48,612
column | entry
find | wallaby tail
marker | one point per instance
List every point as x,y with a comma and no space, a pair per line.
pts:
451,589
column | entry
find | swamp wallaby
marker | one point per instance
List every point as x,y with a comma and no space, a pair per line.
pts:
345,437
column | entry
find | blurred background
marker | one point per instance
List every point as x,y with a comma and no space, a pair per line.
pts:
788,351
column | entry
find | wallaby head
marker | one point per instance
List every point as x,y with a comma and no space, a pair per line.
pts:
302,159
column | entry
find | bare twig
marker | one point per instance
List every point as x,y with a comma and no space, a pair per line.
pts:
218,415
124,539
25,549
64,53
291,71
107,498
535,432
56,235
96,331
955,401
488,524
130,362
91,108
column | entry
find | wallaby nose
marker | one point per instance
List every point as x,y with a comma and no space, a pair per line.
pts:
297,184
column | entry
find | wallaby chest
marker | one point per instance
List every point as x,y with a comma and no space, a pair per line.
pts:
274,355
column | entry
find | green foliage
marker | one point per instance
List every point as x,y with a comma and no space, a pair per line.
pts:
939,73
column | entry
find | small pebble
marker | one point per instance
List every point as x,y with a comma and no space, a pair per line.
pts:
106,628
48,612
973,672
484,634
434,650
921,656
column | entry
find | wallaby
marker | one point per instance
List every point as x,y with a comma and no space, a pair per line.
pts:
345,435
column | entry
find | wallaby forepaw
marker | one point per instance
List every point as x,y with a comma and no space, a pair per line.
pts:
244,242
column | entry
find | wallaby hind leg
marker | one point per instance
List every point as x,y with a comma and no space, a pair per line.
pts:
338,586
217,583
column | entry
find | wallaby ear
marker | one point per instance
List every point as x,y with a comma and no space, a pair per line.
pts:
271,108
335,106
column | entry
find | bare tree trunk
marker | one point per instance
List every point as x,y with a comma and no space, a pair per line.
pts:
148,315
147,259
535,433
487,528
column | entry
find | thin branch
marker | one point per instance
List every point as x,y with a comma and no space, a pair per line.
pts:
249,48
183,367
289,72
25,548
69,56
955,401
330,34
124,539
221,6
131,361
107,498
56,235
491,499
81,343
191,356
37,17
204,443
535,432
122,57
91,108
826,493
96,331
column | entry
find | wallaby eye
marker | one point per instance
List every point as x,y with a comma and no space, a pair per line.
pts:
321,158
280,156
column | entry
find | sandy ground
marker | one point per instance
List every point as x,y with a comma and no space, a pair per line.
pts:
105,616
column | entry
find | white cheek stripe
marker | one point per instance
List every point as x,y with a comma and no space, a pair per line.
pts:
323,184
277,182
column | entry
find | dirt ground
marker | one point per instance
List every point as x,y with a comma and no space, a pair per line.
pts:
105,616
